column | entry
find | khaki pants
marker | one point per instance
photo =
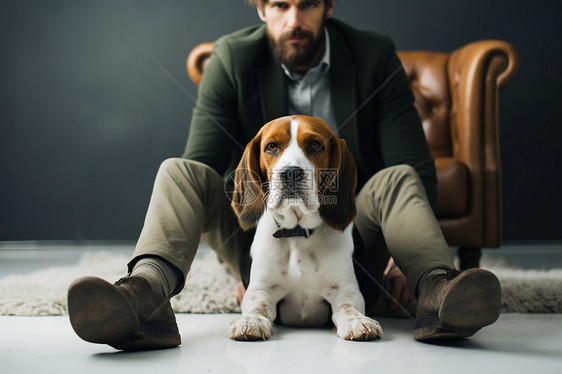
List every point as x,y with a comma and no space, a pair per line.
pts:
189,204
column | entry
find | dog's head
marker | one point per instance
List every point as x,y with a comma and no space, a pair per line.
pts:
296,161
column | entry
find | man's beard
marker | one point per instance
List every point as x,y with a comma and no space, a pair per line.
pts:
295,55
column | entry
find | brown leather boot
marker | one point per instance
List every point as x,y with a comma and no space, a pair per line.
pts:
452,304
127,315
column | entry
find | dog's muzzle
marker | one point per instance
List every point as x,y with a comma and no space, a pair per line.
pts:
292,176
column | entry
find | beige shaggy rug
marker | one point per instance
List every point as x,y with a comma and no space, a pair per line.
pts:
209,289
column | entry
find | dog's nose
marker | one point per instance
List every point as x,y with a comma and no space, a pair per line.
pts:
291,176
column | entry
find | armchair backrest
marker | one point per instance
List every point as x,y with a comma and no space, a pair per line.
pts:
427,72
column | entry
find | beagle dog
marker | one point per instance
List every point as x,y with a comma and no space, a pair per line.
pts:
296,181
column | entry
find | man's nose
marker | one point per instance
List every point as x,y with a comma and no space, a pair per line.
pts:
293,17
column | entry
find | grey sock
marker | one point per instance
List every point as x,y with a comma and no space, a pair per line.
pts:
162,276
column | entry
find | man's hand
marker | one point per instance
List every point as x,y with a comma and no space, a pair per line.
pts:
395,282
240,292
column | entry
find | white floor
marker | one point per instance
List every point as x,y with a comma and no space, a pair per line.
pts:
517,343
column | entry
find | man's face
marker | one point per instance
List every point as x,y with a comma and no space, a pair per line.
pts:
295,29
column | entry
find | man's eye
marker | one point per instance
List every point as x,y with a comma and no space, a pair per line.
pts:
307,5
282,6
271,147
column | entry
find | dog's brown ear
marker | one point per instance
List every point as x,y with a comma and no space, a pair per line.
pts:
248,198
337,206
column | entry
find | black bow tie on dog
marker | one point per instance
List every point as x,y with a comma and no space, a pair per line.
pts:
297,231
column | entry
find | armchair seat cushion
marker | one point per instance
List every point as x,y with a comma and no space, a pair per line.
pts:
452,187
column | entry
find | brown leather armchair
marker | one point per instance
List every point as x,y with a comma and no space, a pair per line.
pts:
457,99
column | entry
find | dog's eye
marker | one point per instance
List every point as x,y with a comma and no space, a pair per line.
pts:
314,146
271,147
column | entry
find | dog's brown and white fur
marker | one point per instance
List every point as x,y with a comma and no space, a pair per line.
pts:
311,278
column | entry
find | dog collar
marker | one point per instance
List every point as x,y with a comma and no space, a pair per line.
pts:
295,232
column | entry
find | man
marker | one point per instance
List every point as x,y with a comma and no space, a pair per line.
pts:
301,61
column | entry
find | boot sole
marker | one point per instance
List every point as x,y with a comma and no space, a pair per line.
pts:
472,303
100,314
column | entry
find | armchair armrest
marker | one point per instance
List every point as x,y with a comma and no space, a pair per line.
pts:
197,61
476,73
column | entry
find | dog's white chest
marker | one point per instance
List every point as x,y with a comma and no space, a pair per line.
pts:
302,264
302,304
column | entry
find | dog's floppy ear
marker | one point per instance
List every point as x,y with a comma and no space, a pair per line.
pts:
249,194
338,206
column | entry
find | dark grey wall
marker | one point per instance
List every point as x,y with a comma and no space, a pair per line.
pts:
87,114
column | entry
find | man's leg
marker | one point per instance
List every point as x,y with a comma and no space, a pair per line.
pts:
393,203
188,201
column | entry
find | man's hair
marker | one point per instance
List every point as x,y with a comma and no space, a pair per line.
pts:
261,3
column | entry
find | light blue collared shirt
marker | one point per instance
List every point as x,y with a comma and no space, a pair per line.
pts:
310,94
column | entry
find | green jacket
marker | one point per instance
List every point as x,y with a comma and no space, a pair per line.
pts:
244,87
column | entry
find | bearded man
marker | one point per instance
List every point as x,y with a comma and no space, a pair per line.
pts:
299,61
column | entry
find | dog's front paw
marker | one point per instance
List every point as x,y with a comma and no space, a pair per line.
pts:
360,328
251,328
